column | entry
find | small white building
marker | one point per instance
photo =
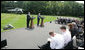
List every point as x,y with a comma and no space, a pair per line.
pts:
16,10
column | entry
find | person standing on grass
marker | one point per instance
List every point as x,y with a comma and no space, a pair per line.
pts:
28,19
38,19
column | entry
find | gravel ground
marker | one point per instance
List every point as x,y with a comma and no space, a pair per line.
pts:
29,39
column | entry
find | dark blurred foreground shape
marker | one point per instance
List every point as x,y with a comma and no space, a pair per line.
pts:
3,43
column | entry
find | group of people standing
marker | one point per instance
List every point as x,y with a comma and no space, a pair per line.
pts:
29,18
65,20
65,40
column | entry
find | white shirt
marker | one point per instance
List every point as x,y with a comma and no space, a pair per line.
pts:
57,42
67,36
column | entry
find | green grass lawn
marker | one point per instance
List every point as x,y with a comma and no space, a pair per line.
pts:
19,21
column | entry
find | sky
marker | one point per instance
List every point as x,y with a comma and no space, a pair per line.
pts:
76,1
80,2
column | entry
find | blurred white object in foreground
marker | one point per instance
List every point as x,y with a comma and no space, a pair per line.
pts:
48,39
80,48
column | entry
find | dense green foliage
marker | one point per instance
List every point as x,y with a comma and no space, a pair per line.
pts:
66,8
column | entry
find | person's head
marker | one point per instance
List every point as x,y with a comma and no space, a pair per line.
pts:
83,24
51,34
70,25
28,13
66,18
63,28
39,14
73,23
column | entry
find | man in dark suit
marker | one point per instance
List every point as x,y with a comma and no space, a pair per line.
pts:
28,19
66,20
58,21
38,19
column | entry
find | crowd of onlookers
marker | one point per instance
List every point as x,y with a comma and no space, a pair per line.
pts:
70,38
65,20
76,27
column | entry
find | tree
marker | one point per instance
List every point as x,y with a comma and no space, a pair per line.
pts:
66,8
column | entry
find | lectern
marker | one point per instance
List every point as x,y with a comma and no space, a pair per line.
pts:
42,22
32,24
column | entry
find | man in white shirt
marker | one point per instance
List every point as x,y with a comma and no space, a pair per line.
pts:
66,35
57,41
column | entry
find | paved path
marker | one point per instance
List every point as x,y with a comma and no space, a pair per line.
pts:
29,39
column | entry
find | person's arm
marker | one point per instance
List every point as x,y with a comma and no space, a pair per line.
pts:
57,44
40,16
60,45
52,44
76,32
29,16
49,39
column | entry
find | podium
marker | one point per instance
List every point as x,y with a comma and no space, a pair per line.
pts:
32,24
42,22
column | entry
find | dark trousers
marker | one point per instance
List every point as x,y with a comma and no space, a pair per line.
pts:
58,21
28,21
38,20
69,45
46,46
